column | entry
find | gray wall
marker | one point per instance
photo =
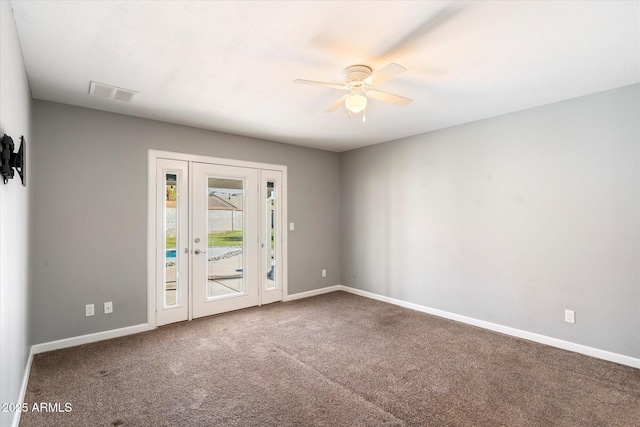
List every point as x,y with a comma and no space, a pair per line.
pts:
15,120
90,212
508,220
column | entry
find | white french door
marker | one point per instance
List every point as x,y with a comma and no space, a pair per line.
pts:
219,238
271,242
225,238
172,241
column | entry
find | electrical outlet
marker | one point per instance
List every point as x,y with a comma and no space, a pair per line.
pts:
292,226
354,274
324,273
570,316
108,307
89,310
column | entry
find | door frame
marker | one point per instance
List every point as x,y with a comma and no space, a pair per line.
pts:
152,157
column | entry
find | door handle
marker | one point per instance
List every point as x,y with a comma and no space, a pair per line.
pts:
198,252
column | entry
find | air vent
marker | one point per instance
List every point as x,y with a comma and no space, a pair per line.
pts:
111,92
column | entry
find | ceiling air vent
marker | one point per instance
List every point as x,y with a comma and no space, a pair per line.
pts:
111,92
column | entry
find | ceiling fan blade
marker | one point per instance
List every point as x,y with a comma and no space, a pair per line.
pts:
314,83
385,74
333,107
389,97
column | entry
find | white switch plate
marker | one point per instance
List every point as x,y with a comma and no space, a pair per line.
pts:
108,307
89,310
570,316
324,273
291,226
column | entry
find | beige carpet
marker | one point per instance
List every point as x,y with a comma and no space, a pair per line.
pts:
332,360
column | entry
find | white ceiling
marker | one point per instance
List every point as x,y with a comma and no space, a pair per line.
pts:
229,66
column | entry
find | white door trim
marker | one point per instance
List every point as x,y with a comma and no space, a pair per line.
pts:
152,157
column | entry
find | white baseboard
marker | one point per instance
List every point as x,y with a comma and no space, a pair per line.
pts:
531,336
23,389
313,293
89,338
115,333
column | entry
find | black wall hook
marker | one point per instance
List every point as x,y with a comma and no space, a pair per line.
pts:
11,160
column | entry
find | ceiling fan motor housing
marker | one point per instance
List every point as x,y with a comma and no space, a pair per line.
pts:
356,74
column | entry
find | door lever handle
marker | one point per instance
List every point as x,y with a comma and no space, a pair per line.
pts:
198,252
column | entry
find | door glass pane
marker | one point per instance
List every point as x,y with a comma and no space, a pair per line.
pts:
271,233
225,237
170,239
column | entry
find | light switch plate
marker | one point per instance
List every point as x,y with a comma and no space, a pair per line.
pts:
570,316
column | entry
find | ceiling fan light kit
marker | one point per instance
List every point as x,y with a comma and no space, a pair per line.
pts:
359,81
356,102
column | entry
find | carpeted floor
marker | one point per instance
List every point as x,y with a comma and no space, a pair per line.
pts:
332,360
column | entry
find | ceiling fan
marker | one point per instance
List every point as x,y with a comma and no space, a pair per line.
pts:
359,81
